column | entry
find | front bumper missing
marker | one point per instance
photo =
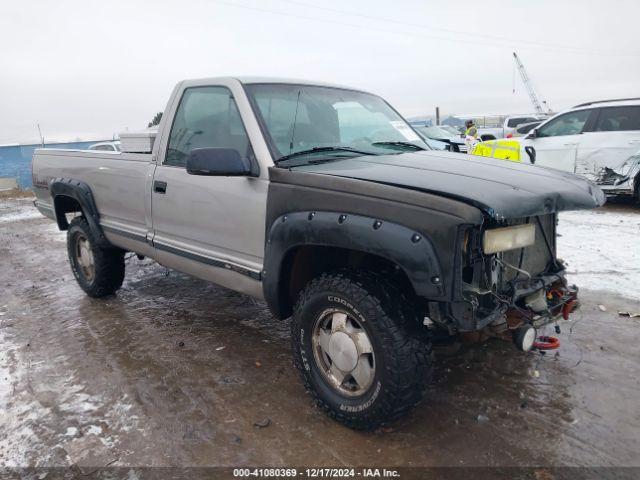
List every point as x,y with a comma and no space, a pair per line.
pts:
561,301
558,301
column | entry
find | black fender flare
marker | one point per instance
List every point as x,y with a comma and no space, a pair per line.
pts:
412,251
61,188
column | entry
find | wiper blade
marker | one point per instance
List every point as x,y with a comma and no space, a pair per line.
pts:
413,146
323,149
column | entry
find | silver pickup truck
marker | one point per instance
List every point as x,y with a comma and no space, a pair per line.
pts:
325,203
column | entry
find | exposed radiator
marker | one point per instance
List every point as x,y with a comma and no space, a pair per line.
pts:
536,257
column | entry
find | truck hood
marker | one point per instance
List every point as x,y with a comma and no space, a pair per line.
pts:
502,189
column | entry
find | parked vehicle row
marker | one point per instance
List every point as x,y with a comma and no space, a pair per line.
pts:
508,126
597,140
454,138
438,133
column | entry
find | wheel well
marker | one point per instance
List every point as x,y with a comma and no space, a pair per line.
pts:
64,204
304,263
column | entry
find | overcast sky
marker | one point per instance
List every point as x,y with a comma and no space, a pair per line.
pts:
83,67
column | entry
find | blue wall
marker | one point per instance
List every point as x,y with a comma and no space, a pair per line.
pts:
15,160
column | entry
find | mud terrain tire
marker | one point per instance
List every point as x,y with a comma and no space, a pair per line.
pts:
402,351
99,271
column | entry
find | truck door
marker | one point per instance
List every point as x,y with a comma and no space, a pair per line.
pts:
202,224
556,143
614,137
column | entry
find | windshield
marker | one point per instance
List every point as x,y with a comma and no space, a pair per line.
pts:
454,131
436,132
308,122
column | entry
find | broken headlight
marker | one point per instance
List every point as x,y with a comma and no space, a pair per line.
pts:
508,238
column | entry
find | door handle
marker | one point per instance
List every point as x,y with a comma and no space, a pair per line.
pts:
159,187
570,144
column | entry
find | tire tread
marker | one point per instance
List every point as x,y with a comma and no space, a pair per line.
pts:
408,350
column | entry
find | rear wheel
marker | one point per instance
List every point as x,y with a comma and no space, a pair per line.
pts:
361,353
98,270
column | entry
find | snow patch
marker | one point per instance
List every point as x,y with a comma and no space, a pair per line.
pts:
18,216
94,430
600,248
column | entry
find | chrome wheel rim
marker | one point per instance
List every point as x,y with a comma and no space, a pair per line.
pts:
343,352
84,255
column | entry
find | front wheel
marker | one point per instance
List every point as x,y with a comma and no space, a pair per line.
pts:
360,350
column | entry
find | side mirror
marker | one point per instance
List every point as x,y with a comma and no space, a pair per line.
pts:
532,134
532,154
221,162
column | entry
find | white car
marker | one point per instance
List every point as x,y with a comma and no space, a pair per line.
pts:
587,138
508,126
106,146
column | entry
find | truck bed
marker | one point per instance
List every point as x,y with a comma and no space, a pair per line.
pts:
117,182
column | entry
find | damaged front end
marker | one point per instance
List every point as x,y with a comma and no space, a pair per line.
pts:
623,180
510,279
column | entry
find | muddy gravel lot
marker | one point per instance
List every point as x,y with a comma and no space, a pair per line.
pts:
174,371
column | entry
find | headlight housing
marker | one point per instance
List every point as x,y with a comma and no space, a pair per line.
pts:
508,238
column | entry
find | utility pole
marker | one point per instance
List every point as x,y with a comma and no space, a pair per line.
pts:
437,115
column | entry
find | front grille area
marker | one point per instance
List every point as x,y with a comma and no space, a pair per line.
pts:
535,258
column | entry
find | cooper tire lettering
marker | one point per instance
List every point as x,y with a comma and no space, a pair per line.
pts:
401,353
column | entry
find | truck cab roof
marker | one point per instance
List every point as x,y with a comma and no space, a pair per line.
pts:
249,80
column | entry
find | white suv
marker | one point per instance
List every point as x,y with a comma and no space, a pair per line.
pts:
588,137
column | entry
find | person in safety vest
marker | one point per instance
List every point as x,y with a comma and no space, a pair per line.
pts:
470,134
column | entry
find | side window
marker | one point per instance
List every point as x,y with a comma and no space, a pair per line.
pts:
618,119
207,117
514,122
527,128
570,123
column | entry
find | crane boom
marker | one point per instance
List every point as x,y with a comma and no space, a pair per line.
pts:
537,104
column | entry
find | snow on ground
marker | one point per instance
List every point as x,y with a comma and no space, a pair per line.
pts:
602,249
24,215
